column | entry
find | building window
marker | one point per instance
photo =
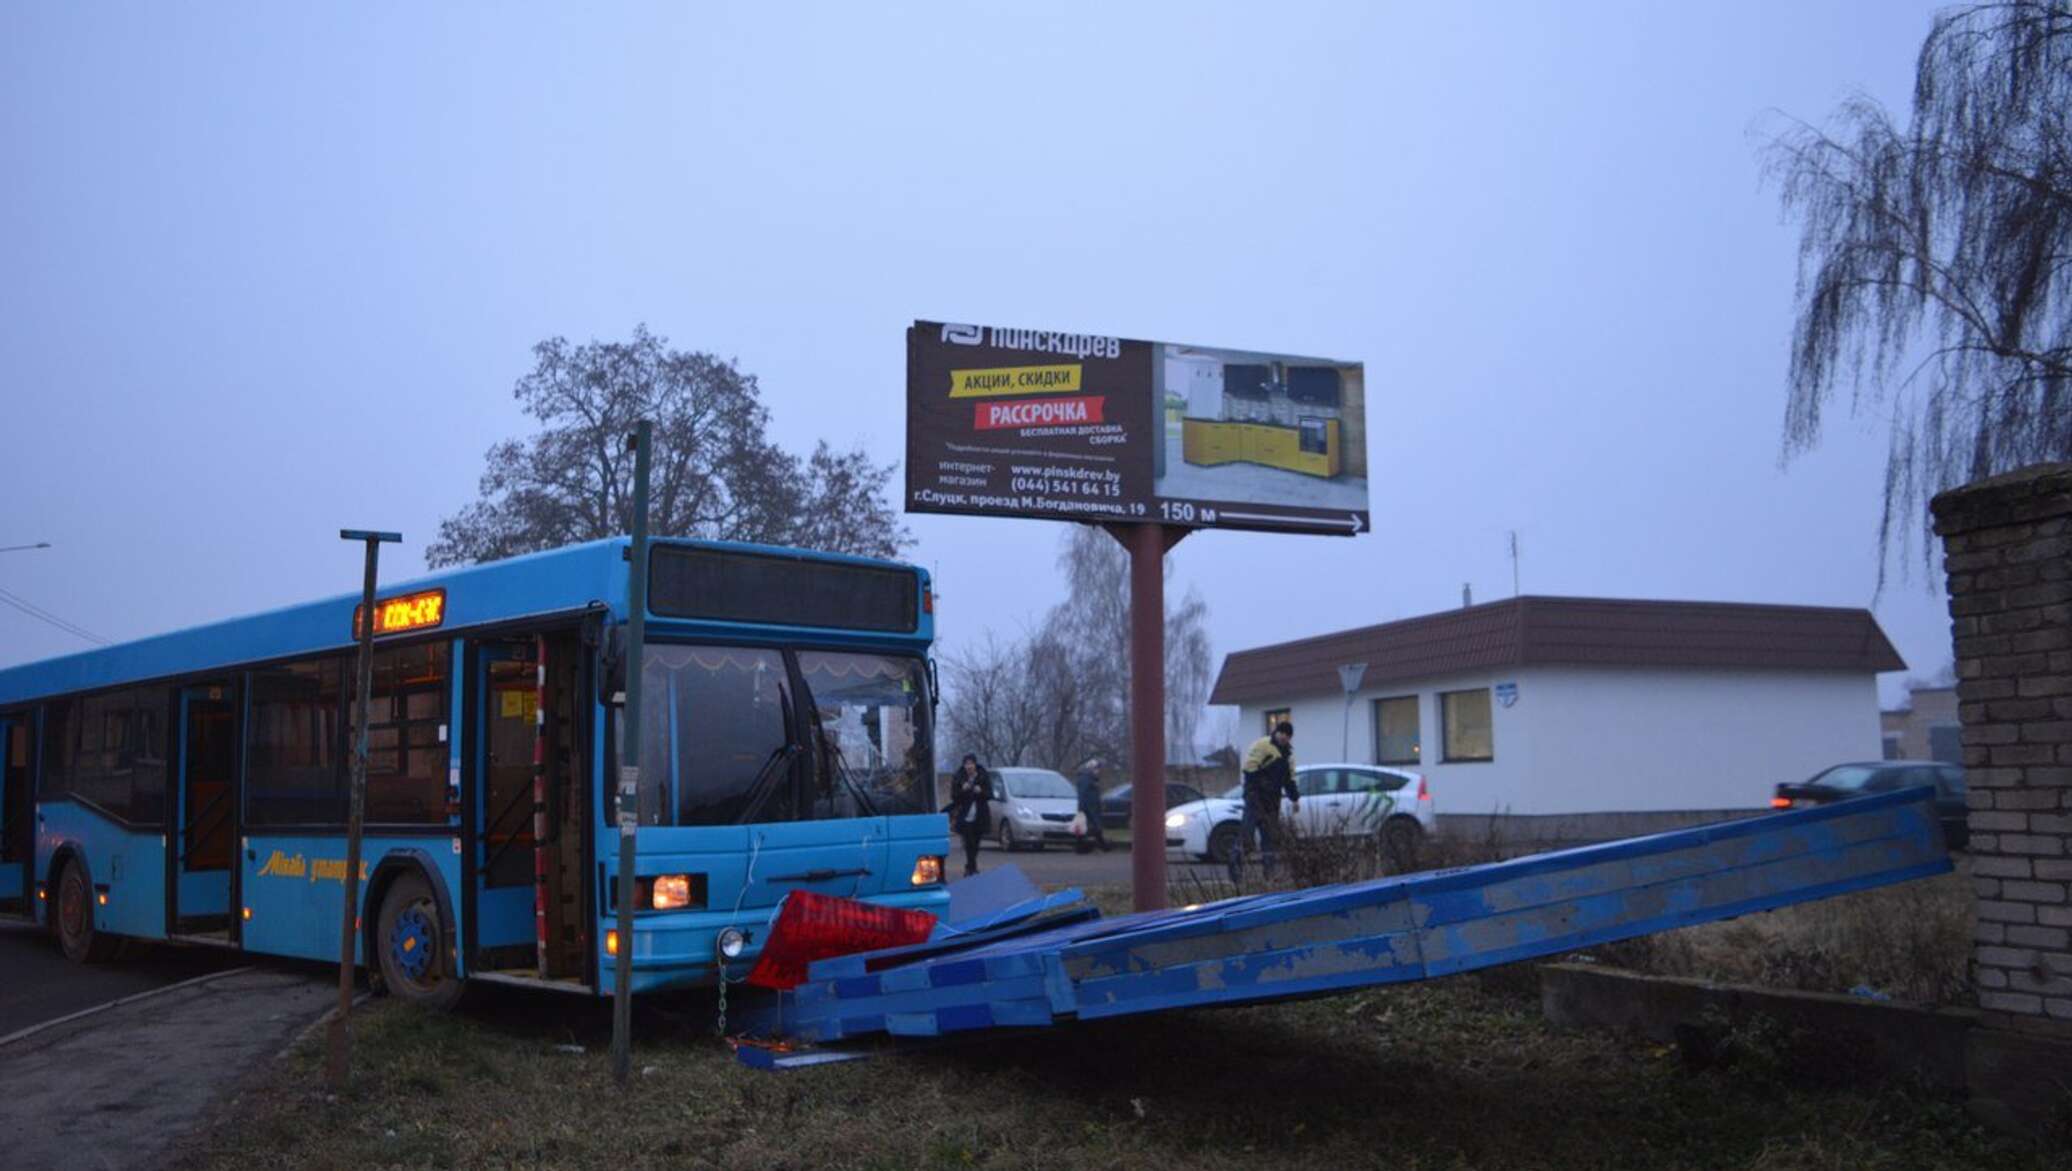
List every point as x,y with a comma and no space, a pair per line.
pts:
1276,718
1469,734
1894,750
1946,743
1396,739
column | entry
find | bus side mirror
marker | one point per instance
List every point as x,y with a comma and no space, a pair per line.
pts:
934,686
611,667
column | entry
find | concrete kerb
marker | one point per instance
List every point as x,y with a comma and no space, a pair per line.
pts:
118,1002
309,1030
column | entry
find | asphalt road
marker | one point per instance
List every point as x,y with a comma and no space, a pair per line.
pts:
38,984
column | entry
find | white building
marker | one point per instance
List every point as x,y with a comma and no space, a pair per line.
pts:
1582,718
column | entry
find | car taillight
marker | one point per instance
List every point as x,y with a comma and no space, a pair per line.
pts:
1780,802
1424,792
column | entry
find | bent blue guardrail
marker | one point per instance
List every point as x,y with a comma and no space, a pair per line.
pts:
1047,960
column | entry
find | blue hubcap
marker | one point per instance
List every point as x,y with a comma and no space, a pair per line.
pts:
410,944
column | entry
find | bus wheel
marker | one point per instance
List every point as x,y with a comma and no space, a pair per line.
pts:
75,920
406,936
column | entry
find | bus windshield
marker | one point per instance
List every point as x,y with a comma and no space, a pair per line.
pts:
871,737
723,740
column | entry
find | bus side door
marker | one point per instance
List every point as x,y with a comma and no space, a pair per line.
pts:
17,804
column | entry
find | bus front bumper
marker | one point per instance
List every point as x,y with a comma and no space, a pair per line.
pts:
680,949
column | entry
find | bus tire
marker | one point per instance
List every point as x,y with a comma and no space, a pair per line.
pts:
77,936
407,938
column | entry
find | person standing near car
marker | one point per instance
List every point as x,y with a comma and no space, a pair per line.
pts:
971,808
1269,772
1089,786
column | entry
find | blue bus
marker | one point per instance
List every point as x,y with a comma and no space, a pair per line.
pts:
192,786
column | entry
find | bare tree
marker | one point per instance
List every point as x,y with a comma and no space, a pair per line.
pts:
1061,693
1935,264
996,710
714,475
1188,664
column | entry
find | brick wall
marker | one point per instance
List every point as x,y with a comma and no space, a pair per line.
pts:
2008,551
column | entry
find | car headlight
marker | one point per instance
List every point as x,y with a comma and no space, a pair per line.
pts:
1025,813
671,892
927,870
1176,820
730,942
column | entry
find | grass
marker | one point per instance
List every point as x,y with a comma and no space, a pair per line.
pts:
1451,1073
1911,942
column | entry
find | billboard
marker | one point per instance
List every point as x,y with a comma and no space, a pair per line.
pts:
1069,426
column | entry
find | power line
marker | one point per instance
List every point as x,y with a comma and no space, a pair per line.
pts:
43,615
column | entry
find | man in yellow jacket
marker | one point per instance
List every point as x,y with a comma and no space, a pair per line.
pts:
1269,772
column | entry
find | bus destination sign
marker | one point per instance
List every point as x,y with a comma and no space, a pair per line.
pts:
422,610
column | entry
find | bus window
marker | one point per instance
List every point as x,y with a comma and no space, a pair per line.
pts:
295,745
116,763
715,722
872,741
406,759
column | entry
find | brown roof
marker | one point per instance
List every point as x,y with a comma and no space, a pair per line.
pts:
1539,631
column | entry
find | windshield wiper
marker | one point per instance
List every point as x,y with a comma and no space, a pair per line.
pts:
831,748
759,789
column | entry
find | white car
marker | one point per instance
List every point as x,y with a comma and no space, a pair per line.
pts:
1392,804
1032,806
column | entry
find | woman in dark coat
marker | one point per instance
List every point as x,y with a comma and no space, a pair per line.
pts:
971,808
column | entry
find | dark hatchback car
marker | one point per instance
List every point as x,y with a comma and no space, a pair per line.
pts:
1844,781
1115,806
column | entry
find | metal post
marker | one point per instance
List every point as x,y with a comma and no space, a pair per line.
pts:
338,1041
1147,544
629,774
1349,680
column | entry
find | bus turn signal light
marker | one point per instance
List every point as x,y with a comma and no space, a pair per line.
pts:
611,943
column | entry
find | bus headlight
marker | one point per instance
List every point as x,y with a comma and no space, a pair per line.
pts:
730,943
927,870
672,892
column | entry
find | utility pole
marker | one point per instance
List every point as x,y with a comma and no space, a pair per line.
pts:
1514,563
629,774
339,1042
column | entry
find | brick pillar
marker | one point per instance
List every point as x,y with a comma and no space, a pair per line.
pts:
2008,547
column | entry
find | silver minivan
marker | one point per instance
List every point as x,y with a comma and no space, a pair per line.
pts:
1032,806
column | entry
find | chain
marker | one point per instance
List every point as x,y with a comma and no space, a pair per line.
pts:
719,1027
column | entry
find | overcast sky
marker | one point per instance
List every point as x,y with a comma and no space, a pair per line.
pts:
272,270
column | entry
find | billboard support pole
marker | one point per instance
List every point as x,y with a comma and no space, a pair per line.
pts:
1147,545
